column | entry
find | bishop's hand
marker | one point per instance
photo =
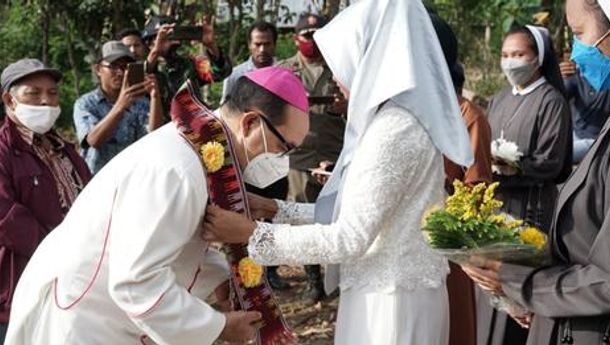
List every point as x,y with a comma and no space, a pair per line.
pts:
240,326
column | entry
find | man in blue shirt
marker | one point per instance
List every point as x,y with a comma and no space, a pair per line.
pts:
590,109
115,114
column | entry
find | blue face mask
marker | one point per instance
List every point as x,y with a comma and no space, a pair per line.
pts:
592,63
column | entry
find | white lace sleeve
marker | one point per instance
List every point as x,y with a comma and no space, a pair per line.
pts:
294,213
384,167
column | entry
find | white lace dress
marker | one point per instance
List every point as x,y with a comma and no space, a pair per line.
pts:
392,284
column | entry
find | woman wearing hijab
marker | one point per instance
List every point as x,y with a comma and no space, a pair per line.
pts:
532,113
570,299
403,116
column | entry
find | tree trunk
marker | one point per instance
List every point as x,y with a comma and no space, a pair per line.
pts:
260,9
331,8
275,13
119,21
71,59
234,26
46,22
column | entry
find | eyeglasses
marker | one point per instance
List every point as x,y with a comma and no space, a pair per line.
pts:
115,68
288,146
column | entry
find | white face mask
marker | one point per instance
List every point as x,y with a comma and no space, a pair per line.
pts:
519,71
266,168
37,118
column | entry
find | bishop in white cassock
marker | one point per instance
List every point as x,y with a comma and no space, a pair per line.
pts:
128,264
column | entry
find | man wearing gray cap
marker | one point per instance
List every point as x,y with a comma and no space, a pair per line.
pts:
115,114
40,173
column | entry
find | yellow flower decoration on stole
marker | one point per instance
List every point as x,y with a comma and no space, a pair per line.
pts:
250,272
213,155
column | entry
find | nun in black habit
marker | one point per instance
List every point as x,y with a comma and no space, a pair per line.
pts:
534,114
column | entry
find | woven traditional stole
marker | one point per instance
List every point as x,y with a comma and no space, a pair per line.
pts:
200,126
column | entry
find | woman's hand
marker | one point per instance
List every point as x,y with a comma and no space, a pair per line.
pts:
262,208
485,273
226,226
501,167
524,321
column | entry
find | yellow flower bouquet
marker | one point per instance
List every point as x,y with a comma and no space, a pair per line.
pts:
471,224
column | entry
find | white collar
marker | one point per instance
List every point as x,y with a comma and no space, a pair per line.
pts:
533,86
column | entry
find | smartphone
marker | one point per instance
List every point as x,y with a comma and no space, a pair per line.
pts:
321,99
136,72
186,33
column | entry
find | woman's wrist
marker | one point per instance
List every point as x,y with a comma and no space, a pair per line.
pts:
271,208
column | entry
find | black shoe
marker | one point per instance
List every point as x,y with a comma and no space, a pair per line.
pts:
275,281
315,292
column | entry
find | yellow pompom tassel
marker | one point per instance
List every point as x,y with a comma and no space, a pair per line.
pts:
213,155
250,272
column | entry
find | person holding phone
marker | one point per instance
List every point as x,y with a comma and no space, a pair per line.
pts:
164,37
116,114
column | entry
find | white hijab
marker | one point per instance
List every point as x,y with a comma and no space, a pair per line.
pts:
388,50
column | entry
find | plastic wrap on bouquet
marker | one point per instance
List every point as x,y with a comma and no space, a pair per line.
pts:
519,254
470,227
513,253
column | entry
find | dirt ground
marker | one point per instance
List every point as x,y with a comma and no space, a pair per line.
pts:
313,324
